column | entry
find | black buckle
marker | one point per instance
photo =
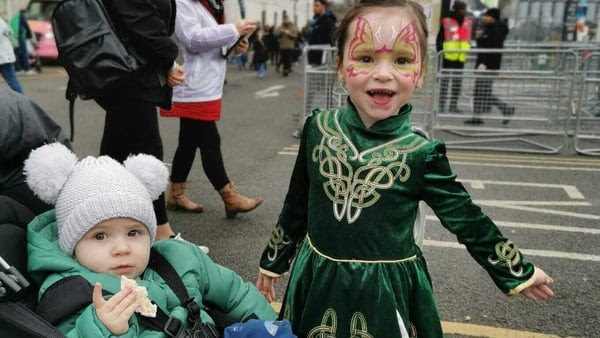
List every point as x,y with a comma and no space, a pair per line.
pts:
193,308
173,327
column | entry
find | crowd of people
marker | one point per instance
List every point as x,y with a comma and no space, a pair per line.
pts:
346,222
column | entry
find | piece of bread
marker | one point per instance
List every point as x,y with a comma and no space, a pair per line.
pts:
146,308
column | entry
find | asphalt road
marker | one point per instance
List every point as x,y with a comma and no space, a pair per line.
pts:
547,204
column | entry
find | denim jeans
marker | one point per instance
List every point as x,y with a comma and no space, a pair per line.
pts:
260,69
7,70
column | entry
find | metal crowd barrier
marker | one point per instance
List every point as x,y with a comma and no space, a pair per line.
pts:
554,90
587,129
539,90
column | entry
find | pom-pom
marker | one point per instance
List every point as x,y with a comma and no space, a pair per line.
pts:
47,169
150,171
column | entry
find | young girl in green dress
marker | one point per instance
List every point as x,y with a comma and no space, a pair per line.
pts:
348,217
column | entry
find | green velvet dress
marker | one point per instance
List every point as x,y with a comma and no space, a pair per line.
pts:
348,220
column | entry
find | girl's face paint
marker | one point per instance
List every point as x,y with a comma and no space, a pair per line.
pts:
382,63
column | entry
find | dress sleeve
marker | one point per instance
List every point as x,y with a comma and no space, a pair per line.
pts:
291,224
452,204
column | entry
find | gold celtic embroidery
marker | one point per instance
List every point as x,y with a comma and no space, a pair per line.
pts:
358,326
277,242
352,190
507,255
327,328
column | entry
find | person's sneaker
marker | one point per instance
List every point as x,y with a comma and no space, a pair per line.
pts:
297,133
202,247
30,72
474,120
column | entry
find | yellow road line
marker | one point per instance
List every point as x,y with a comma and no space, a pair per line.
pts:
488,331
473,329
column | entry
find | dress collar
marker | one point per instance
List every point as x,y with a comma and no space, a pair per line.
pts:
396,125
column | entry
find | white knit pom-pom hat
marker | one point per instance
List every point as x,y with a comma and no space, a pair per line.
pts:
94,190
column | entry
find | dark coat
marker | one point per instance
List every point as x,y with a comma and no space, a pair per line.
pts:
493,37
260,51
321,33
147,26
24,126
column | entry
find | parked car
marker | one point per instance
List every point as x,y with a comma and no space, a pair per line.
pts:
39,14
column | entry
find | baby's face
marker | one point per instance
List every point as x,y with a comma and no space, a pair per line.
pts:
118,246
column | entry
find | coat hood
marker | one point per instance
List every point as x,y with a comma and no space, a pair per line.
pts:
43,250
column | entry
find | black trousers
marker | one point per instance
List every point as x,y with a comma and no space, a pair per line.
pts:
483,97
131,127
286,56
456,83
205,136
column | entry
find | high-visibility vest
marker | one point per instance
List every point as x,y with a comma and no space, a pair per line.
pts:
457,37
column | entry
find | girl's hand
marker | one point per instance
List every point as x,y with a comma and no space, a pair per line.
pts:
245,26
175,76
115,312
540,288
241,47
266,286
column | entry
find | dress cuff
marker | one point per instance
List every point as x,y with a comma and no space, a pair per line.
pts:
525,284
269,273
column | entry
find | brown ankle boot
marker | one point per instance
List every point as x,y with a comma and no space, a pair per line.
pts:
236,202
176,199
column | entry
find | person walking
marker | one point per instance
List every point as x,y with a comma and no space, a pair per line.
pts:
22,31
131,122
272,44
491,35
261,55
7,58
202,33
454,38
347,222
287,42
320,33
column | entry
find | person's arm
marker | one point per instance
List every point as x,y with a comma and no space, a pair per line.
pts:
291,225
145,31
439,41
195,35
495,253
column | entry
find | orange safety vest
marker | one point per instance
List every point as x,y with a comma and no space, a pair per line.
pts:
457,37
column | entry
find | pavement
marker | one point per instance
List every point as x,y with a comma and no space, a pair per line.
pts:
548,204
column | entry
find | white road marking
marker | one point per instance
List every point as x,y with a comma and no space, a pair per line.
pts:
522,166
547,227
269,91
516,205
530,252
570,190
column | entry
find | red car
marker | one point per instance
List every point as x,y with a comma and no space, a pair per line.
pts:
39,14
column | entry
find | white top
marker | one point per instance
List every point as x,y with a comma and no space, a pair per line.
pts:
200,42
7,55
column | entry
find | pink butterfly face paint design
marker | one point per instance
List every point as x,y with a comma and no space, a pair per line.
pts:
367,47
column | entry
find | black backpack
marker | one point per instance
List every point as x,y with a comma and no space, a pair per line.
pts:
91,50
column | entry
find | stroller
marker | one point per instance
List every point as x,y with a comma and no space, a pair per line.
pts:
18,296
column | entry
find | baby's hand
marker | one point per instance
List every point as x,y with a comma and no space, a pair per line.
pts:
540,288
115,312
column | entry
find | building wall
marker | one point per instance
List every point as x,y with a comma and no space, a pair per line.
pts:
270,12
10,7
